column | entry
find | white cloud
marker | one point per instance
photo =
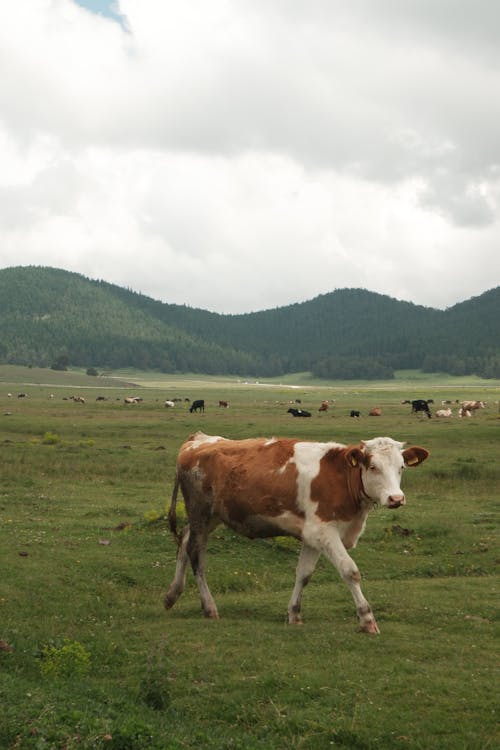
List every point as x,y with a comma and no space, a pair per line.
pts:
238,156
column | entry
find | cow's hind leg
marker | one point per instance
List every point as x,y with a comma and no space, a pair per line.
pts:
196,550
305,568
179,581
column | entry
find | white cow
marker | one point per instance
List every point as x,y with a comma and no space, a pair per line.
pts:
444,413
169,404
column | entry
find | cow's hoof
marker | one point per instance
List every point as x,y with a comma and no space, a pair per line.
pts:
370,627
211,614
169,601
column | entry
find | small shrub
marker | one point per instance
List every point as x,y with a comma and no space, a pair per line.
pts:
51,438
152,516
69,660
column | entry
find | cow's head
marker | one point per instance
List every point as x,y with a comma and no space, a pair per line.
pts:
381,461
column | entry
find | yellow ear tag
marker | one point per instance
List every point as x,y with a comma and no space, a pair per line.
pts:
353,461
412,462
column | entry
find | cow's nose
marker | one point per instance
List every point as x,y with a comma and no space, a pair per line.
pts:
394,501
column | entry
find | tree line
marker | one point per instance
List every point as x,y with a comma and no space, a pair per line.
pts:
54,318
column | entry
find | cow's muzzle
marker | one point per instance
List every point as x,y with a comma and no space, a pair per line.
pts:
395,501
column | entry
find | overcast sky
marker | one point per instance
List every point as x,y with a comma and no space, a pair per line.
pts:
239,155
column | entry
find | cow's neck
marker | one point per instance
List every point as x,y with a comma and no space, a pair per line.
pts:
357,491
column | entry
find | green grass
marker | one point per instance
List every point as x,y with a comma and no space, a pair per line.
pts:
85,557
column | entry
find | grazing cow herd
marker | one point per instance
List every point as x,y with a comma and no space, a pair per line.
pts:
466,408
418,406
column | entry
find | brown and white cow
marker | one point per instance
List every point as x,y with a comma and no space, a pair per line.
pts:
472,405
320,493
375,412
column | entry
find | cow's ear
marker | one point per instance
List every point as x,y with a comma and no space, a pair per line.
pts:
415,455
355,456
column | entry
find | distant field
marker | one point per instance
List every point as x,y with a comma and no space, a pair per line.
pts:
91,660
42,376
405,379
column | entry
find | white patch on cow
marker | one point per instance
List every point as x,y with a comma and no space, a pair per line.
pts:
382,444
307,458
290,523
201,439
382,479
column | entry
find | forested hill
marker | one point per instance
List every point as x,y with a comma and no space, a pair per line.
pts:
54,318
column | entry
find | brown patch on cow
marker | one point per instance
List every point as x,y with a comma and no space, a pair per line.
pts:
338,489
248,482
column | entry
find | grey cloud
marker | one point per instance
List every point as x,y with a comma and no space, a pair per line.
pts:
465,204
53,191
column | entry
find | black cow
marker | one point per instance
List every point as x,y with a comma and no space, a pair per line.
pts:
355,413
419,404
198,405
299,413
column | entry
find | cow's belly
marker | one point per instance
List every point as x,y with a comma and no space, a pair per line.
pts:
260,527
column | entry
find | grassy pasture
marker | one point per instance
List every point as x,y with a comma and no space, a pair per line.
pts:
85,557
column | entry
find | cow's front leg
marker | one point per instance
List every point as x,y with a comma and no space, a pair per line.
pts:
329,542
305,568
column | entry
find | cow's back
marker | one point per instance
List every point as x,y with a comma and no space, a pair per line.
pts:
250,485
242,466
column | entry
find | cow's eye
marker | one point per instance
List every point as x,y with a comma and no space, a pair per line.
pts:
374,469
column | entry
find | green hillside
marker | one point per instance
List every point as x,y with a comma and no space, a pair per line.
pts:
49,315
52,317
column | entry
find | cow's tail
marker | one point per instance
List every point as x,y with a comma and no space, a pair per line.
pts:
172,514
